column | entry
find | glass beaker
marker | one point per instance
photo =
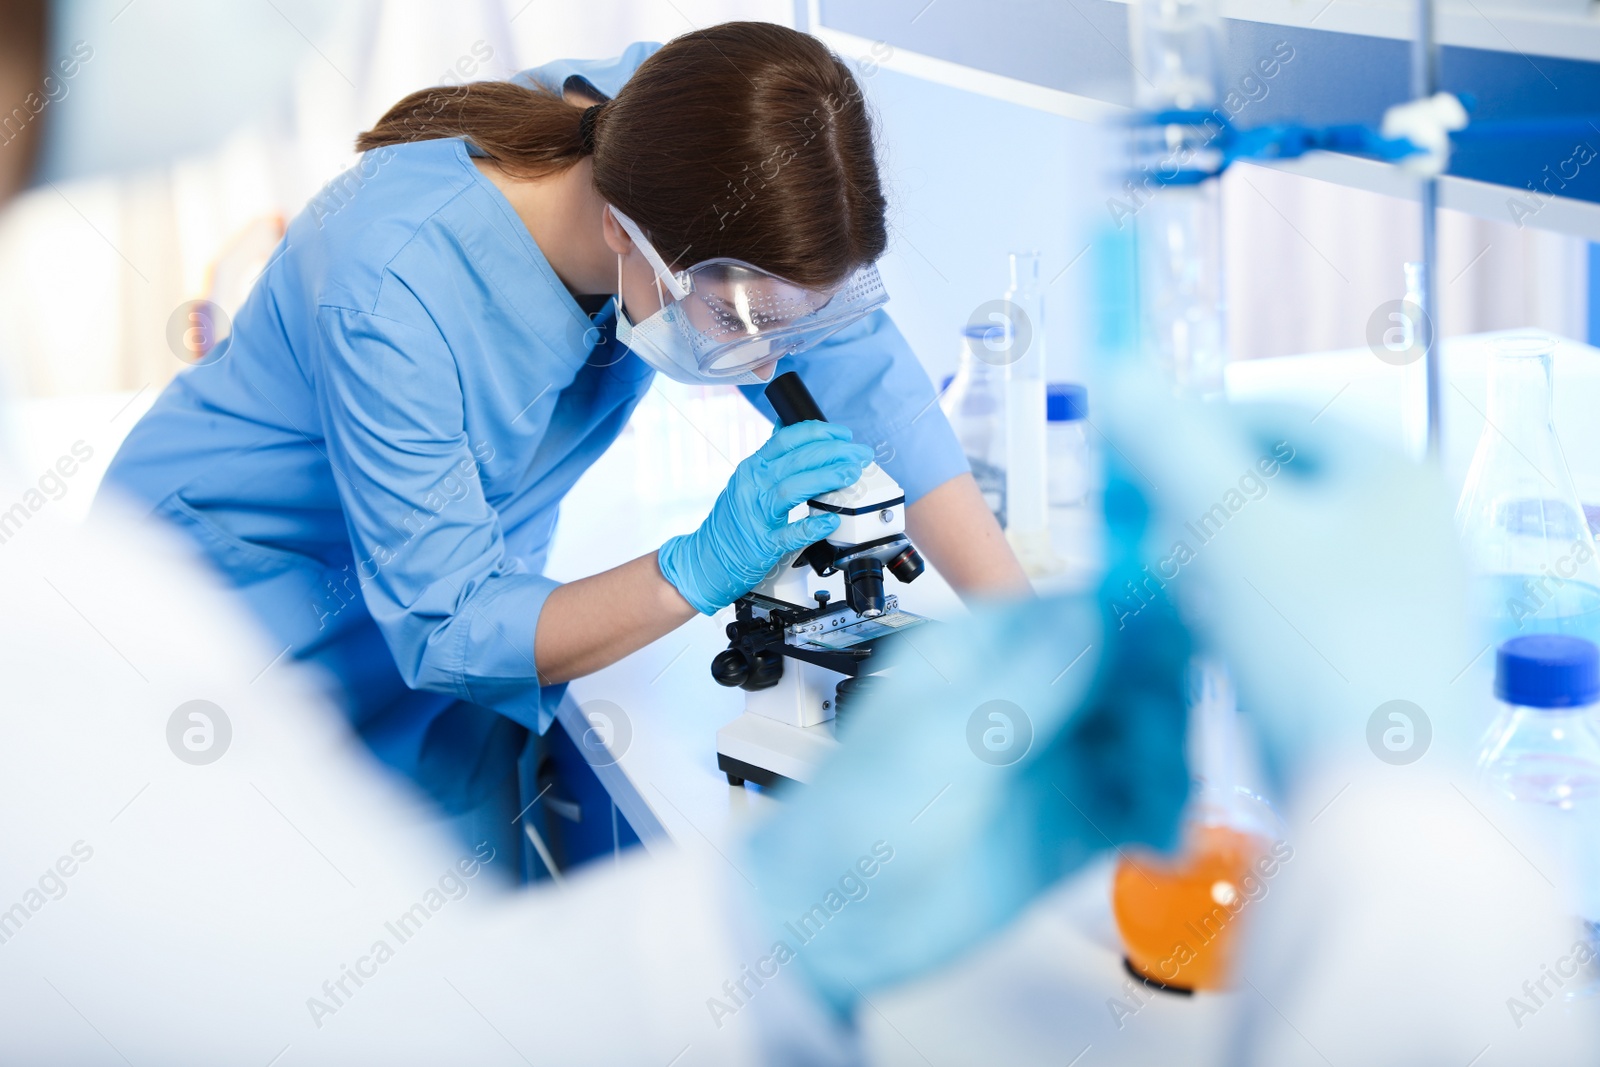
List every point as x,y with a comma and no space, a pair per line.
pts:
1526,540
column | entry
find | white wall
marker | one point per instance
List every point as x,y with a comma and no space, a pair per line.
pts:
91,270
1308,262
971,179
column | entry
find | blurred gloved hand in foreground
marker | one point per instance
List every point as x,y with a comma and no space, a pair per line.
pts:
1002,753
1240,515
1322,567
1325,571
748,529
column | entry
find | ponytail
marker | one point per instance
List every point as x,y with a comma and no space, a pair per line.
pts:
747,140
527,131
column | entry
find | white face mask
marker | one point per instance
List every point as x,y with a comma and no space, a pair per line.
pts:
659,340
661,344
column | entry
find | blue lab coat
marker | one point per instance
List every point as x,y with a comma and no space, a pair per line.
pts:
376,456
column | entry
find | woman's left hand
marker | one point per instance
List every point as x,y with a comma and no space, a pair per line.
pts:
748,530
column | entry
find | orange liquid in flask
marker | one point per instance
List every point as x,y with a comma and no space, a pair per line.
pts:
1179,916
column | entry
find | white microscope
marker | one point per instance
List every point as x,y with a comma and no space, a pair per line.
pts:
801,658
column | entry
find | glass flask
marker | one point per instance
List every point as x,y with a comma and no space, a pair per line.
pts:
1527,542
1179,916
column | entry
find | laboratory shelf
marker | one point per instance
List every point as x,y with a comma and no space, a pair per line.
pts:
1348,61
1534,27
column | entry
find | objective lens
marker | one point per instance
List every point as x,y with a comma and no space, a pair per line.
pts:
907,565
863,586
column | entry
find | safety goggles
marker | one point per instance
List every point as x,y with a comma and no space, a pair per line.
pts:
734,316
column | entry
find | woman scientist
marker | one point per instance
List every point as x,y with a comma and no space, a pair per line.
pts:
454,330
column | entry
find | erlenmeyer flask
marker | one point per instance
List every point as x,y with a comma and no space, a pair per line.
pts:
1526,540
1179,915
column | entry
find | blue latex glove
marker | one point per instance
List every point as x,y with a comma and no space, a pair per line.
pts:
1322,567
748,530
917,840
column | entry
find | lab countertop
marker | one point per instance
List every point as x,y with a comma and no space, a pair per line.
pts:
1052,989
665,778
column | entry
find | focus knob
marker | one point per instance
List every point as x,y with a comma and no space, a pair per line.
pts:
766,672
730,668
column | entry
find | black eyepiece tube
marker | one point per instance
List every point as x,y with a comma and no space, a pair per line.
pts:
792,401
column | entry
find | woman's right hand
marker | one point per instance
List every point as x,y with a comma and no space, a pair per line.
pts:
748,530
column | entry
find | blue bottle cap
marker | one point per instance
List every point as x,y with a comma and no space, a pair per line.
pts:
992,332
1547,671
1066,402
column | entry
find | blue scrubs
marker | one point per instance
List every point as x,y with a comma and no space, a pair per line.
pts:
376,456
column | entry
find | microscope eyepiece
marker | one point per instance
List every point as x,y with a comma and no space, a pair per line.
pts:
791,401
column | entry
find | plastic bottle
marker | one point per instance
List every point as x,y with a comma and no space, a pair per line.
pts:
974,402
1027,491
1067,442
1179,916
1526,538
1544,751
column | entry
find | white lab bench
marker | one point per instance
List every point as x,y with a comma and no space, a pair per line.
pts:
665,780
1042,993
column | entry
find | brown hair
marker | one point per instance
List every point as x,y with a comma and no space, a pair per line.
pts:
748,140
23,31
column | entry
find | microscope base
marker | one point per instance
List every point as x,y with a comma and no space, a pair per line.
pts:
739,772
765,751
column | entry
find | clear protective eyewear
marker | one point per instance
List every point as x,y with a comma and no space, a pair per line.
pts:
734,316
